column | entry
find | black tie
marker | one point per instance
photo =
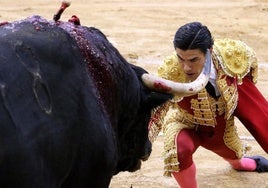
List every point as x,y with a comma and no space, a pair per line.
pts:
211,90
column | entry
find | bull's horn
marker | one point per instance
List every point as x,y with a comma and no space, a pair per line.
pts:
180,89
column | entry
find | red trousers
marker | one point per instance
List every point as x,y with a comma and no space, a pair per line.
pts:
188,140
252,111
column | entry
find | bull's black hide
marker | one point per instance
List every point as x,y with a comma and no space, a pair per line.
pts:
73,112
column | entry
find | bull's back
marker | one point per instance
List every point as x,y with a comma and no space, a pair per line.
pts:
49,113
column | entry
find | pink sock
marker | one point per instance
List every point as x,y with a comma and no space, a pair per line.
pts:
245,164
186,178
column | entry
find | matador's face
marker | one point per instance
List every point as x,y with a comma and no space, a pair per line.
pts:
192,62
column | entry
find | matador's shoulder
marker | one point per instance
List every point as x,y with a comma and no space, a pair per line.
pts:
236,58
170,69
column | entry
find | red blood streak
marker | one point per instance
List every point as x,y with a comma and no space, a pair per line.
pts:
3,23
161,86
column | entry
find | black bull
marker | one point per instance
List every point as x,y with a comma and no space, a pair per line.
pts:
73,112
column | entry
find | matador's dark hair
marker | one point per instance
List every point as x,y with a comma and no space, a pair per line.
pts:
193,35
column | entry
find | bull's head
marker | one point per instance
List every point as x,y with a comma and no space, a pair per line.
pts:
134,143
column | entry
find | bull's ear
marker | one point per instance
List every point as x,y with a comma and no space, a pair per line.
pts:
154,99
138,70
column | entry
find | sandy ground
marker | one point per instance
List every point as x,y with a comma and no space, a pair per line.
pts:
143,31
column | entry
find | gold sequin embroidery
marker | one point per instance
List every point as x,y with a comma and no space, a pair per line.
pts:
202,111
236,58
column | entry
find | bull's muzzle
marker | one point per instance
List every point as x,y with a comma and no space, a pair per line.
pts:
180,89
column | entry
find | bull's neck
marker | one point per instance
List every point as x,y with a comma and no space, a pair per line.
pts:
99,54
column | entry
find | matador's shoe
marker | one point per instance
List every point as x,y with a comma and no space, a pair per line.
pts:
262,163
